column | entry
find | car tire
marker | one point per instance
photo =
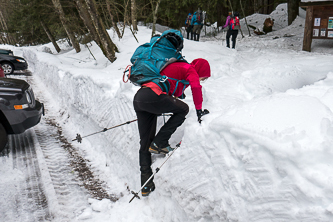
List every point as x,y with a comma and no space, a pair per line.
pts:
7,68
3,137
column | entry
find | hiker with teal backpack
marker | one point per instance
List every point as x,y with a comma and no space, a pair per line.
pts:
162,95
197,22
189,26
233,24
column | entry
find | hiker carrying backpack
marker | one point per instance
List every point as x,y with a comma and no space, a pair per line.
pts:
188,20
197,22
233,24
189,26
152,100
151,58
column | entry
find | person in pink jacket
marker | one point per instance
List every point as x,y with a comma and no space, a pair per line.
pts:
150,101
233,26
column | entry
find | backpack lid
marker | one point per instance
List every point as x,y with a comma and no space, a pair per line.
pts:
154,38
175,37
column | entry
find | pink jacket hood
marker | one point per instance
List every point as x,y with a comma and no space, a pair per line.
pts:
202,67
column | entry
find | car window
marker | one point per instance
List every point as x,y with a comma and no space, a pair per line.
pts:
6,52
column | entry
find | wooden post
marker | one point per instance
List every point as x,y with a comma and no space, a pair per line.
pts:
308,29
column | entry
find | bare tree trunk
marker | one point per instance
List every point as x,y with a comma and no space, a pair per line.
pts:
154,15
114,25
85,16
126,21
292,10
255,6
265,6
240,1
52,39
125,17
109,48
133,15
63,20
4,27
2,40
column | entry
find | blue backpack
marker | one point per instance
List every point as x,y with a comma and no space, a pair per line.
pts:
151,58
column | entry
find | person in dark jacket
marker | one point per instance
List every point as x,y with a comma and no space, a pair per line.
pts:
150,101
189,26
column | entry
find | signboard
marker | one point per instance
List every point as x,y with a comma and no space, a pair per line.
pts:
316,32
317,22
330,34
330,23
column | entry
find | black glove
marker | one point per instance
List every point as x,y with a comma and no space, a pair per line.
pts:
200,113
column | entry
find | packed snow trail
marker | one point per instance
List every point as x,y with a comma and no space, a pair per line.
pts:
261,154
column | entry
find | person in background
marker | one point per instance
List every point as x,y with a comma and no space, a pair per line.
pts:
197,22
189,26
150,101
233,24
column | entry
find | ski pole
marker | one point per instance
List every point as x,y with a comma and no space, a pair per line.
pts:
79,138
156,171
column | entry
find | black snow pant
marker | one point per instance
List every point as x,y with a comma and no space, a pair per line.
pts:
234,34
189,31
148,105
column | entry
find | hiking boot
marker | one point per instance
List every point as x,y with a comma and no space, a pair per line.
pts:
147,190
150,186
157,150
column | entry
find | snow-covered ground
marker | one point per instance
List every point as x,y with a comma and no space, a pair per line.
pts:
264,153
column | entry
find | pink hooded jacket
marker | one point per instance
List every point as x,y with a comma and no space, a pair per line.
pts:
184,71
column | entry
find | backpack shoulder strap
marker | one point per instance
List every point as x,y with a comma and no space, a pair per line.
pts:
185,82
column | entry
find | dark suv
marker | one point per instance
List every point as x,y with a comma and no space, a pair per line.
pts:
10,63
18,108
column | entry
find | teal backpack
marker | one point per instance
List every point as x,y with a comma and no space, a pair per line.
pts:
151,58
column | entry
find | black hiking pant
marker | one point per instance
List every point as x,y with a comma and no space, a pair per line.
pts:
234,34
148,105
189,31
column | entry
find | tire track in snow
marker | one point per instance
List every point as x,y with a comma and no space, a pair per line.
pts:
25,199
72,181
72,198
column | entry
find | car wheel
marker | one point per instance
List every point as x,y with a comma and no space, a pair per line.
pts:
7,68
3,137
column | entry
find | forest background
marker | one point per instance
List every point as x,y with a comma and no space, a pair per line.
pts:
34,22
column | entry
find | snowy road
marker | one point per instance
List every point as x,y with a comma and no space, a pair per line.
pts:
52,182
